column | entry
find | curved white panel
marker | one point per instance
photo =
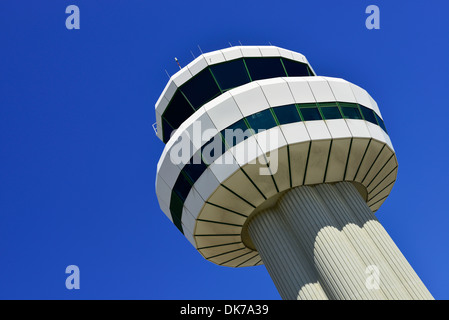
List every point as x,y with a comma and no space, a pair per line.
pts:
301,90
269,51
181,77
223,111
320,89
276,91
361,96
250,51
232,53
341,90
250,98
194,203
338,128
197,65
214,57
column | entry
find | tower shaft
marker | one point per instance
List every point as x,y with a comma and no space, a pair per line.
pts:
324,242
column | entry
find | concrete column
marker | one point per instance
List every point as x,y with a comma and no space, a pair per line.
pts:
352,228
382,241
291,270
323,242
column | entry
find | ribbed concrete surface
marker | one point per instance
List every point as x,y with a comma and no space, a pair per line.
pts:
290,268
320,243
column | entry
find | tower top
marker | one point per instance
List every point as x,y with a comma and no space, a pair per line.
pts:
216,72
253,123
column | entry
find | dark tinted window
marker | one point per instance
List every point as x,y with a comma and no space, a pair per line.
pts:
310,113
166,130
182,187
212,149
287,114
230,74
236,133
195,168
261,120
368,114
295,69
200,89
176,206
178,110
203,87
310,71
264,68
350,111
330,111
381,122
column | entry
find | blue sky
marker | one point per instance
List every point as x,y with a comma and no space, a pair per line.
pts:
78,154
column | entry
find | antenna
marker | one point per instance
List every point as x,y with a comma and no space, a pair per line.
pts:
240,43
230,44
176,59
270,43
192,54
200,49
167,73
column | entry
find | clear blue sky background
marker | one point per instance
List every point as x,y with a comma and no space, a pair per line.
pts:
78,154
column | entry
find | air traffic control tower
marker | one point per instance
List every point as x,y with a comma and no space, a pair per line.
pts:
267,163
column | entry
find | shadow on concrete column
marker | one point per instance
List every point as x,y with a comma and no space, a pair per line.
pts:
323,242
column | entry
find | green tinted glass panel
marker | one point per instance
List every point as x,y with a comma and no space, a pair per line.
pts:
350,111
368,114
261,120
236,133
309,114
287,114
330,113
380,122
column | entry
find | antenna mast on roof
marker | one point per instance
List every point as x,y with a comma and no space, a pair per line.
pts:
200,49
176,59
